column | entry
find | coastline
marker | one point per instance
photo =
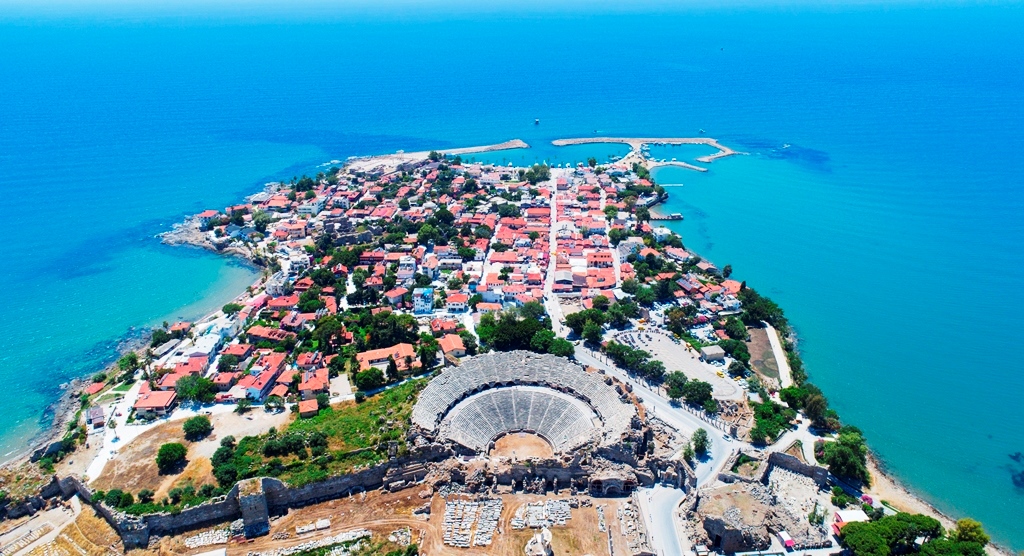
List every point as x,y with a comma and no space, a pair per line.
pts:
885,486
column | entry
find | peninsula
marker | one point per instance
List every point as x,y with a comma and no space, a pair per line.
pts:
445,357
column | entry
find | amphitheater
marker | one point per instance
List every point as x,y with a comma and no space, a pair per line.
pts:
492,395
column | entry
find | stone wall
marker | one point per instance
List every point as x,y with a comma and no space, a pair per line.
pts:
786,461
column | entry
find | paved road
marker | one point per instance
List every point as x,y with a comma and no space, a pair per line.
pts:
686,422
658,506
785,373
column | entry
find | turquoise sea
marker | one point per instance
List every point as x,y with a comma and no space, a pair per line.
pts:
880,203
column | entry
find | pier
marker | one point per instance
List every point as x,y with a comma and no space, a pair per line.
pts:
636,145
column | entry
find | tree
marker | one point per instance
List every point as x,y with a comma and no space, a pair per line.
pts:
969,530
865,540
260,220
146,496
274,403
196,388
735,329
600,302
532,310
816,408
128,362
630,286
701,441
323,401
404,204
645,296
227,363
232,308
592,332
727,271
697,392
688,453
244,405
675,381
541,341
170,456
427,234
847,456
643,214
561,347
737,369
592,162
197,427
369,379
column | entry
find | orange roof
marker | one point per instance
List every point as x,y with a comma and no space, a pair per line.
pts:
308,406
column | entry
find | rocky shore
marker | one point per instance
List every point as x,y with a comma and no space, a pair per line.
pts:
189,233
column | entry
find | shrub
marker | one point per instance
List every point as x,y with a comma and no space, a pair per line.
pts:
197,427
170,456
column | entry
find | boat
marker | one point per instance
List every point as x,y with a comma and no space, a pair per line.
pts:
536,121
702,131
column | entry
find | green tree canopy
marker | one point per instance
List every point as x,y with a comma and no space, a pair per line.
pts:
170,456
197,427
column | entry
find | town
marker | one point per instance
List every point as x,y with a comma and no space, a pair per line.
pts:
452,356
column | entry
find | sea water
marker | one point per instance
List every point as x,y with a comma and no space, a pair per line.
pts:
879,203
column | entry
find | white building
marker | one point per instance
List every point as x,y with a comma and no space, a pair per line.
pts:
661,233
423,300
312,207
406,268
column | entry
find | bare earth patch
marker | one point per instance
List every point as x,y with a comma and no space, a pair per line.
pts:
762,359
521,445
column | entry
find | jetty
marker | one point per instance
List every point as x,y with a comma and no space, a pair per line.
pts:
391,162
636,145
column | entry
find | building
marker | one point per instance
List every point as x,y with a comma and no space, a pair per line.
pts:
712,353
311,207
458,303
423,300
94,417
395,296
308,408
406,268
403,354
451,344
155,404
842,517
661,233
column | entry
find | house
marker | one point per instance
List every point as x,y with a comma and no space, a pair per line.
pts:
155,404
395,296
94,417
308,408
272,335
406,268
661,233
311,207
440,327
712,353
241,351
457,303
205,217
423,300
313,383
309,360
451,344
485,307
224,381
403,354
842,517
